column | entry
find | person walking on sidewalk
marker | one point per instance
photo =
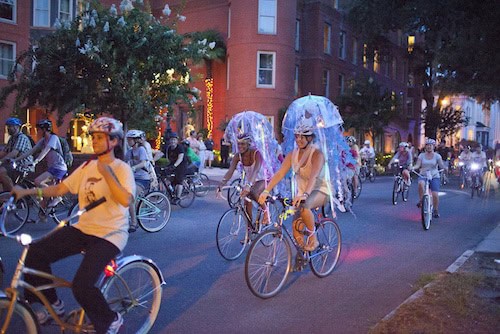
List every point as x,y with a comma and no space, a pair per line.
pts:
209,144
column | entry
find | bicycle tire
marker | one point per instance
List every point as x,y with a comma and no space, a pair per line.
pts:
202,185
233,194
359,187
268,263
232,234
142,281
324,259
16,218
59,212
395,191
362,174
188,193
426,212
23,319
153,211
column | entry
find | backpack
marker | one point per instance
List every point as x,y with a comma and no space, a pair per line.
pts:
66,152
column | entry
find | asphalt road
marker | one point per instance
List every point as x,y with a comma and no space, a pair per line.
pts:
385,251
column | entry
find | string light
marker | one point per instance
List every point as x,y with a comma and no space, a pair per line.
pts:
159,121
209,89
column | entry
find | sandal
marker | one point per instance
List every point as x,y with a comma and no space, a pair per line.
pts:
312,241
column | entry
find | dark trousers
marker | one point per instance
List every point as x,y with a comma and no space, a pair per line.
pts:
63,243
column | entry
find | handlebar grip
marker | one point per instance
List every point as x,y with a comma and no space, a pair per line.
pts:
95,204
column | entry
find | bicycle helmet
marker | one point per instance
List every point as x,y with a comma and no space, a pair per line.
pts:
430,141
13,121
367,142
44,124
143,134
134,134
403,144
244,138
303,129
107,125
173,135
351,139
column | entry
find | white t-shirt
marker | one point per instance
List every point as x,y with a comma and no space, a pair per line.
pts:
110,219
479,158
54,158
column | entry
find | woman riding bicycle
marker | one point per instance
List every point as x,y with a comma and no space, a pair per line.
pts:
307,161
429,161
405,160
100,234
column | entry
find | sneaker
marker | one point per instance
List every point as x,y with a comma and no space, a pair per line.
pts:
435,214
116,324
43,315
55,201
339,204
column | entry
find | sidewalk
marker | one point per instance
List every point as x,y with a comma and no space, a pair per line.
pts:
215,173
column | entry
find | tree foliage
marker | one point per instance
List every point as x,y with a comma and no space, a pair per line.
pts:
125,63
366,108
451,121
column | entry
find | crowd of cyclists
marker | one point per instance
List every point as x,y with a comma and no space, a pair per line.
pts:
119,176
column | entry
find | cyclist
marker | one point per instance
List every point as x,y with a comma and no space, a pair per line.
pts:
479,157
153,156
17,145
307,161
353,170
100,234
255,182
465,159
429,161
178,162
405,161
367,154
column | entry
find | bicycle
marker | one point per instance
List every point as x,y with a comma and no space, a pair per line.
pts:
367,171
201,182
426,205
153,211
269,259
132,285
400,186
165,177
464,175
476,184
16,220
236,229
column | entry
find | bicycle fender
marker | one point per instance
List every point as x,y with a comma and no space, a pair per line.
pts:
122,261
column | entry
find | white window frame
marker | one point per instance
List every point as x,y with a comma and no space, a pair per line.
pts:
272,5
297,35
296,81
326,82
229,23
13,60
71,10
342,44
14,11
35,23
327,38
273,54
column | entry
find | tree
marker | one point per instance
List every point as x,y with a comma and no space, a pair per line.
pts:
458,53
365,108
451,121
126,64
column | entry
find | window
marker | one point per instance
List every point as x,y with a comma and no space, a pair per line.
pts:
296,81
365,57
8,10
267,17
41,13
411,43
355,51
229,23
297,35
326,83
66,10
7,58
265,69
376,61
341,84
409,107
327,37
342,45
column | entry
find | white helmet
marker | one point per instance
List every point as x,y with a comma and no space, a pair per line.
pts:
403,144
367,142
430,141
107,125
134,134
303,129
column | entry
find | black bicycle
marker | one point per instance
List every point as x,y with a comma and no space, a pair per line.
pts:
165,178
400,187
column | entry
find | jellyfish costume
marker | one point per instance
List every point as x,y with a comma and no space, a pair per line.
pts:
258,127
320,113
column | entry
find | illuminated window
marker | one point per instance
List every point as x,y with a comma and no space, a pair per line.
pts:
411,43
327,37
41,13
7,58
266,69
267,17
297,35
66,10
376,61
365,57
8,10
342,45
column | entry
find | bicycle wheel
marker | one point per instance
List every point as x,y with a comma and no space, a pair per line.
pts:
372,175
359,187
60,211
268,264
362,174
188,193
233,193
23,319
324,259
395,191
426,212
17,217
153,211
134,291
232,234
202,184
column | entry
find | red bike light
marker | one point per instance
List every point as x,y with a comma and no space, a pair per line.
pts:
110,268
